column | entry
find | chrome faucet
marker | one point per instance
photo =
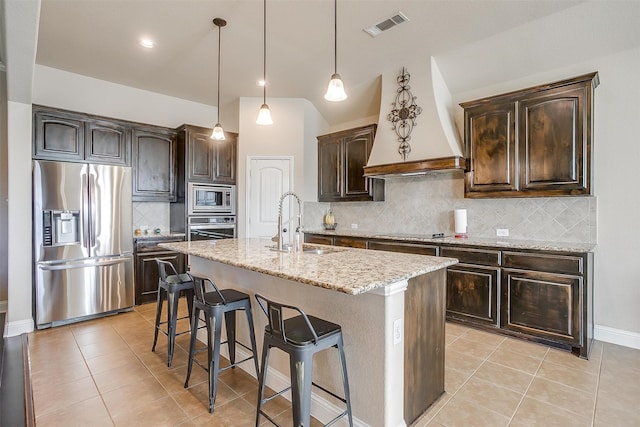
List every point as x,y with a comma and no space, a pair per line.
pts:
280,229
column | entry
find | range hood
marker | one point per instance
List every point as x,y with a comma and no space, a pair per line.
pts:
435,141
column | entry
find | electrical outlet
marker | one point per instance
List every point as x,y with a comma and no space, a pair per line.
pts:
398,332
502,232
354,226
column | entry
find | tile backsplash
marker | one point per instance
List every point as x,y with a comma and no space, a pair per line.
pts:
425,204
152,214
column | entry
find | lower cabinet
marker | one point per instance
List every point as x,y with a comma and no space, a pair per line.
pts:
472,284
537,295
146,271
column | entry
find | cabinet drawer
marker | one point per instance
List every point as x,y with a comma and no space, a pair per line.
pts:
318,239
472,256
352,242
564,264
408,248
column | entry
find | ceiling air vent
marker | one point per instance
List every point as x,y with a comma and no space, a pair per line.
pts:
387,24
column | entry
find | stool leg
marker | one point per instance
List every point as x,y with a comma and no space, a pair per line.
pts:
158,315
172,303
252,337
195,320
230,323
301,368
262,377
345,381
215,336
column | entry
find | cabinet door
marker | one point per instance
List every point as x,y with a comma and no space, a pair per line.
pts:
545,305
107,142
552,143
329,169
472,293
58,136
154,164
357,148
225,159
147,275
200,158
491,148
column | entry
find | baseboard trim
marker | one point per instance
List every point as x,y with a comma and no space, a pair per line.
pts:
19,327
617,336
321,409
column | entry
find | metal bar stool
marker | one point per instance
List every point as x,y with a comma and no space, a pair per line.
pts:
214,304
169,287
301,337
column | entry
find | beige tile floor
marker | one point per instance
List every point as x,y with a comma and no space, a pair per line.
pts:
102,373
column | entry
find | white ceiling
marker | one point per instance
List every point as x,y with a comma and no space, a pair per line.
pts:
98,38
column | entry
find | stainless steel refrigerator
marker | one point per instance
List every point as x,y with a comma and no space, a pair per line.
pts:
82,241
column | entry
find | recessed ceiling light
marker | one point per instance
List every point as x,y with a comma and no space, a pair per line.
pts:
148,43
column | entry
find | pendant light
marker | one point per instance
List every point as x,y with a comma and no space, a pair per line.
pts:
218,132
264,115
335,91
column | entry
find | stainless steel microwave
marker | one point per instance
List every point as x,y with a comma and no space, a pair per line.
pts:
211,199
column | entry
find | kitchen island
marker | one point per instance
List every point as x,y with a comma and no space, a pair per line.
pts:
391,308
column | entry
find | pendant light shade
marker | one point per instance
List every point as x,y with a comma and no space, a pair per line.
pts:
335,91
218,132
264,115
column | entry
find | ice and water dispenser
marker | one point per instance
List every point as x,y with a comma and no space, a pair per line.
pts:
61,227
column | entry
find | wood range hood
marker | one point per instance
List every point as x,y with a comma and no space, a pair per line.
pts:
416,167
435,144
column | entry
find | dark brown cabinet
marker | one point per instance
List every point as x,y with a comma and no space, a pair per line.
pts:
537,295
206,160
472,284
154,161
76,137
146,268
535,142
342,157
545,295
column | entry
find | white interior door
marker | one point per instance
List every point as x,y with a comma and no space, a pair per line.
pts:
268,178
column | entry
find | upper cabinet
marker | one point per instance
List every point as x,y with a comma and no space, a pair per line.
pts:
536,142
74,137
342,157
154,161
202,159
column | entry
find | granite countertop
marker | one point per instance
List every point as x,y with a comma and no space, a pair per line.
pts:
473,241
164,235
349,270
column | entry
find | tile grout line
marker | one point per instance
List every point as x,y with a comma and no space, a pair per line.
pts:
533,378
595,400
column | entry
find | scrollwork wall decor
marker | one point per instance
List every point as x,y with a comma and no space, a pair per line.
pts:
404,113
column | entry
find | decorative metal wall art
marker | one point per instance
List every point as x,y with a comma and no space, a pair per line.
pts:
404,113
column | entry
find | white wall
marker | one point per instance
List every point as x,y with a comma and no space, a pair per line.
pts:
287,136
58,88
4,196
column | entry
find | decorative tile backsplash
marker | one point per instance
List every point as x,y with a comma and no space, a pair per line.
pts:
425,204
152,214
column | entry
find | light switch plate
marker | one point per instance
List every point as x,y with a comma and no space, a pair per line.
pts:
354,225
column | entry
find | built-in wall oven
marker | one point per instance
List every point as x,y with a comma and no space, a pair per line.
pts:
211,227
211,199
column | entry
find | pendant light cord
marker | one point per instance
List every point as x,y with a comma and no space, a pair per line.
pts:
335,36
219,44
264,54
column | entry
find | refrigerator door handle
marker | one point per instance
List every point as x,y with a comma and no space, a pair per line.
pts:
71,265
84,230
92,204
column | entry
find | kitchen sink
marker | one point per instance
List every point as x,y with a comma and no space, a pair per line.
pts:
306,249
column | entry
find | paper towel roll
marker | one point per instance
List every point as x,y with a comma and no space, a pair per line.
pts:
460,219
